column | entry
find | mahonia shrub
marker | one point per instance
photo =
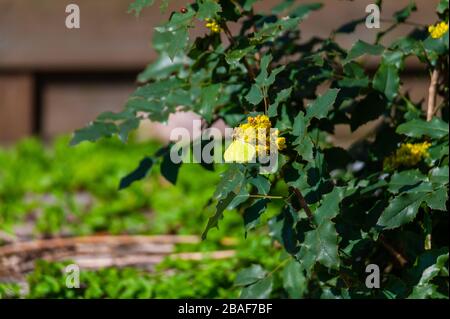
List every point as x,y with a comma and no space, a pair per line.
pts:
378,204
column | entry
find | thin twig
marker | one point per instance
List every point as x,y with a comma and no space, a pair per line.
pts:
227,31
265,196
303,203
432,92
400,259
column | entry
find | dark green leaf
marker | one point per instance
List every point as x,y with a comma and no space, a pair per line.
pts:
252,213
139,173
255,95
220,208
401,210
138,5
294,281
169,169
322,105
259,290
387,80
250,275
360,48
208,9
436,128
94,132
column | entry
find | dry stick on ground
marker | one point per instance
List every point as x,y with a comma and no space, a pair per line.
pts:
432,93
399,257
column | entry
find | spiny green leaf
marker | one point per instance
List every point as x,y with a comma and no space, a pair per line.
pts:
209,99
329,207
208,9
360,48
401,210
387,80
139,173
259,290
436,128
439,175
169,169
232,181
294,281
93,132
322,105
233,57
406,180
255,95
220,208
320,245
282,96
138,5
252,213
250,275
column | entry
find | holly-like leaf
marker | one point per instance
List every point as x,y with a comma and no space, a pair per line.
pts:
270,31
360,48
259,290
232,181
305,148
169,169
436,128
139,173
209,100
442,6
126,127
320,245
218,215
401,210
261,183
294,281
208,9
322,105
233,57
387,80
282,96
138,5
425,288
255,95
250,275
252,213
439,175
437,199
406,181
93,132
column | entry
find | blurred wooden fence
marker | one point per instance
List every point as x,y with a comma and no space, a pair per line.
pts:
53,80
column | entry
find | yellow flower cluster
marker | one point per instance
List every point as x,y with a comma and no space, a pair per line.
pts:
251,138
408,154
213,25
256,130
438,30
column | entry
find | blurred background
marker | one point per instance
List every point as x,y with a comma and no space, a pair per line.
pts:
54,80
62,204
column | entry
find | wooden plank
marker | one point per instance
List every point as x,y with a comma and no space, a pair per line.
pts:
68,106
16,106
